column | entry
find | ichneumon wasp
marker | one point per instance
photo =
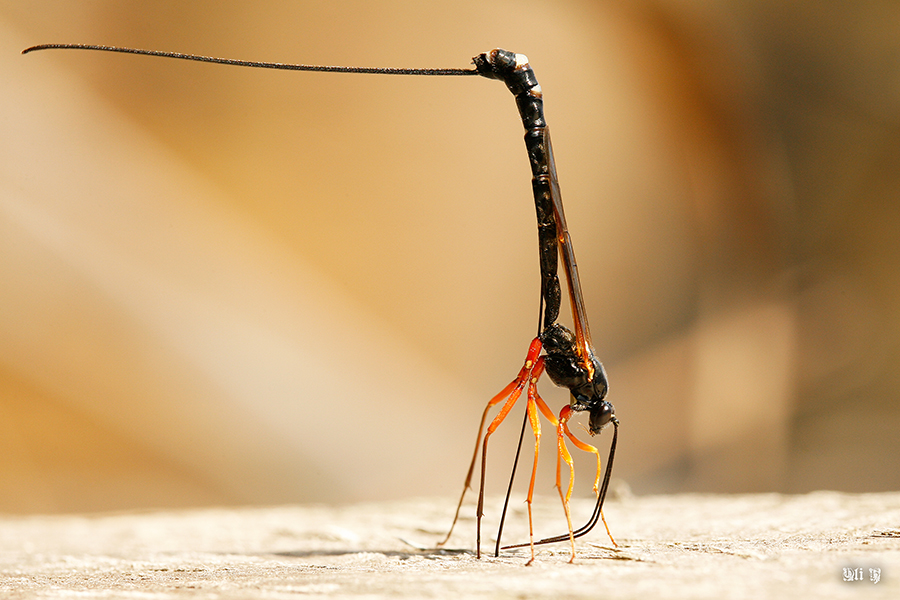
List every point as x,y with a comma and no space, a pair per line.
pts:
568,357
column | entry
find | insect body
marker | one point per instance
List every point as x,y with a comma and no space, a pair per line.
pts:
568,357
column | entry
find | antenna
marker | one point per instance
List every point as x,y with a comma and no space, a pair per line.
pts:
252,63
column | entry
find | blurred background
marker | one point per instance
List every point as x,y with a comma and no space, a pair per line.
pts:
235,286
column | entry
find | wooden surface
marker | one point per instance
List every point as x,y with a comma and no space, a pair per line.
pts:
690,546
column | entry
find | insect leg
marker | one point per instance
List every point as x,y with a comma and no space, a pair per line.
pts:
510,394
564,415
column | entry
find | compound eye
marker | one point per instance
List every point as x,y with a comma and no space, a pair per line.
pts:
601,415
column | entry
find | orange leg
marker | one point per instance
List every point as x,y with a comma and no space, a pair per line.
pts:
588,448
467,485
535,402
536,428
562,454
563,429
504,411
511,394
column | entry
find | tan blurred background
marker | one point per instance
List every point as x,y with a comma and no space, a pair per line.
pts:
230,286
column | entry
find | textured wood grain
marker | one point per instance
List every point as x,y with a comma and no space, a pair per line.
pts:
754,546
